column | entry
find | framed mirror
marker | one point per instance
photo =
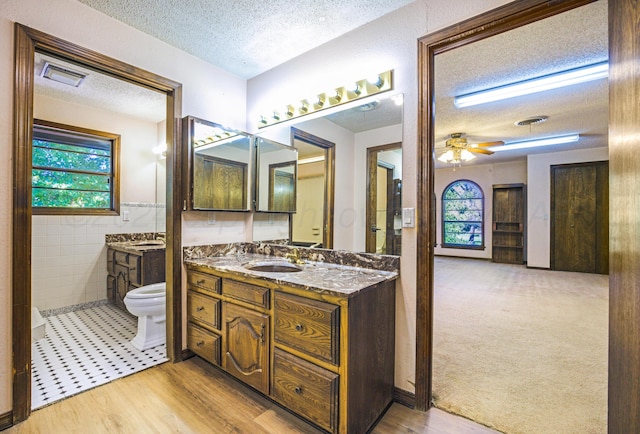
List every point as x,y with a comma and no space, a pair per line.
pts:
219,166
276,176
338,197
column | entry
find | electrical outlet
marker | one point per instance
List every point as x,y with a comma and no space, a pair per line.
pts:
125,216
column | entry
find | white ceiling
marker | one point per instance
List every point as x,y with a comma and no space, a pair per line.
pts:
245,37
565,41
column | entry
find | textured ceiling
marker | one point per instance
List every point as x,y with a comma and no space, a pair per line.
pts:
245,37
568,40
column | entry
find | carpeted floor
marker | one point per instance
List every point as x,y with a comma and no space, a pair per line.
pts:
521,350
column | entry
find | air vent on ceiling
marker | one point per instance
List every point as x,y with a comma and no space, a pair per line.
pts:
531,121
62,75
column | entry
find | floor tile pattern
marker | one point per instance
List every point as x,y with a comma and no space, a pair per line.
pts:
84,349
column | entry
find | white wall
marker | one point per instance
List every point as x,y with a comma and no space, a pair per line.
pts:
207,92
486,176
69,256
387,43
539,199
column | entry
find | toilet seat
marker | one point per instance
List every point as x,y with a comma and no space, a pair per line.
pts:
148,291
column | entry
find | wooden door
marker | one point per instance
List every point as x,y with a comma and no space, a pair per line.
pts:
580,217
246,348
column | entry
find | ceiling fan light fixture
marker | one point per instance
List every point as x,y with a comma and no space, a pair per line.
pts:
466,155
534,85
548,141
446,157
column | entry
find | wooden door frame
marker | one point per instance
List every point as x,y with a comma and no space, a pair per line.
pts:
27,42
372,175
493,22
329,182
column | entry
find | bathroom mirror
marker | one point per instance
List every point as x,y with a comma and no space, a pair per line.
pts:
334,199
219,166
276,176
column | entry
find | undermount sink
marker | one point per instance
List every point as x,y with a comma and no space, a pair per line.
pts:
147,243
273,266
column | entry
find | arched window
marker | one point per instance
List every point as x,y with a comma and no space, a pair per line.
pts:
463,215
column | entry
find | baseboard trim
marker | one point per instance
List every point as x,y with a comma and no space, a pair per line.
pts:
186,354
405,398
6,420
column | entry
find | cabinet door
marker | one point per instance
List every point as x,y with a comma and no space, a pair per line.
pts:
246,345
122,285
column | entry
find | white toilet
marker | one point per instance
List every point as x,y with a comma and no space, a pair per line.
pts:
148,303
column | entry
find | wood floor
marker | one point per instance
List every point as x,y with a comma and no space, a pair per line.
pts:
194,397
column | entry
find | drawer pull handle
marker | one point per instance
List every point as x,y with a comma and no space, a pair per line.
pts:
299,327
199,344
200,282
200,308
262,327
298,390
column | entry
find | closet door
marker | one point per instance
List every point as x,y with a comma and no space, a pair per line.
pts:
580,217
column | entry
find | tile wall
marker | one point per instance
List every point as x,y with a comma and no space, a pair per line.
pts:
69,256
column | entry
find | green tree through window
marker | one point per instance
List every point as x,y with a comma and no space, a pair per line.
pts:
463,215
74,170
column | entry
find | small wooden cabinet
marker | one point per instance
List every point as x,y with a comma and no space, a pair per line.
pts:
128,270
327,357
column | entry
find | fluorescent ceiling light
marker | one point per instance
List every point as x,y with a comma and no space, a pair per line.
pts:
536,143
62,75
546,82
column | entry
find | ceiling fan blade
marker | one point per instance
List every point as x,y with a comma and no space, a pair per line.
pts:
480,151
488,144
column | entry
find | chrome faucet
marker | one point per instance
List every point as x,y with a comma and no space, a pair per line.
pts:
294,257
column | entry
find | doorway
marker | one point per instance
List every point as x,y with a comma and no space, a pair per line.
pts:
580,217
29,41
312,224
384,199
497,21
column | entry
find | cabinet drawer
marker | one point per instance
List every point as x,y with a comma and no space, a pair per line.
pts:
204,343
204,309
307,325
306,389
204,281
252,294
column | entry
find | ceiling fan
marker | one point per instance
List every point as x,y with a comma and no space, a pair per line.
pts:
458,149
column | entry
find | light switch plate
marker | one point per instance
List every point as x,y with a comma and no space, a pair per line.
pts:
408,217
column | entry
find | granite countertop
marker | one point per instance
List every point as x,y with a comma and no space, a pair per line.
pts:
137,246
341,280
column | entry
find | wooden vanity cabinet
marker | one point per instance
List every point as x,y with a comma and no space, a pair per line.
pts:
128,270
328,358
246,345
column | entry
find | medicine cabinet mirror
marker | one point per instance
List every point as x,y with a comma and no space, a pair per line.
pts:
219,166
276,176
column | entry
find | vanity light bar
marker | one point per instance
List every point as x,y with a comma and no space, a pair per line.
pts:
215,140
382,82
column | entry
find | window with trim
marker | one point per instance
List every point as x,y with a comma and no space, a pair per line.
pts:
463,215
74,170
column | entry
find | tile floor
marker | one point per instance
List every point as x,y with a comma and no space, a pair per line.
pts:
84,349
